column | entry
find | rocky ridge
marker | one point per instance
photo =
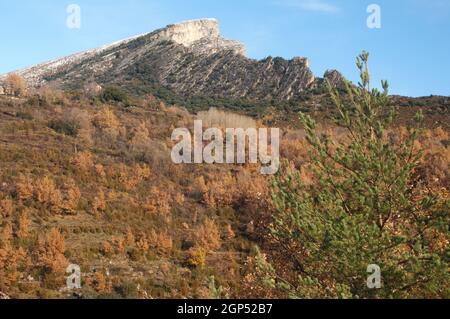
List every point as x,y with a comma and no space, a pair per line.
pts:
190,59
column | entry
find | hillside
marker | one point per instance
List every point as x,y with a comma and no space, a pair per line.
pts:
138,225
96,179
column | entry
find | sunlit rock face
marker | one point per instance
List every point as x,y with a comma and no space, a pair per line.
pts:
189,32
202,35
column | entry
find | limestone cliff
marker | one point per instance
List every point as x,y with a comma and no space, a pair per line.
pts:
203,36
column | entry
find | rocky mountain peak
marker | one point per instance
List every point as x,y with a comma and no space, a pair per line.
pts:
187,60
202,35
188,32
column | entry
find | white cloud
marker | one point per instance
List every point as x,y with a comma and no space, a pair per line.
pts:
310,5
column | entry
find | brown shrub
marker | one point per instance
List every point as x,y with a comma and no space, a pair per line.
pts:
83,121
121,246
24,225
50,251
207,235
129,237
8,266
161,240
179,198
51,93
99,202
220,192
72,195
15,85
101,284
100,171
253,191
142,243
108,123
6,207
46,192
24,188
221,119
229,233
141,138
435,165
98,282
130,180
107,249
7,233
158,202
83,161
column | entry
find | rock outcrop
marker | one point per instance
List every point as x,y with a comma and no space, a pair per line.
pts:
336,78
203,36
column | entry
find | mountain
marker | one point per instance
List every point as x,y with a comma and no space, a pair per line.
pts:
189,59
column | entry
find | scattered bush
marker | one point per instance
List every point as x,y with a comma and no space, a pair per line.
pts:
114,94
64,127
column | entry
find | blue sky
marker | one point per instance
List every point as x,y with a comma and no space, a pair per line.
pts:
411,50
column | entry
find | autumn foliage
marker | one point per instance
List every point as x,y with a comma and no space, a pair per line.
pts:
89,181
15,85
50,251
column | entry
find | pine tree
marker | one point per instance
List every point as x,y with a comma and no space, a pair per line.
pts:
365,207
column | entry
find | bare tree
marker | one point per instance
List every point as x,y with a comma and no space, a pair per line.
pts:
15,85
